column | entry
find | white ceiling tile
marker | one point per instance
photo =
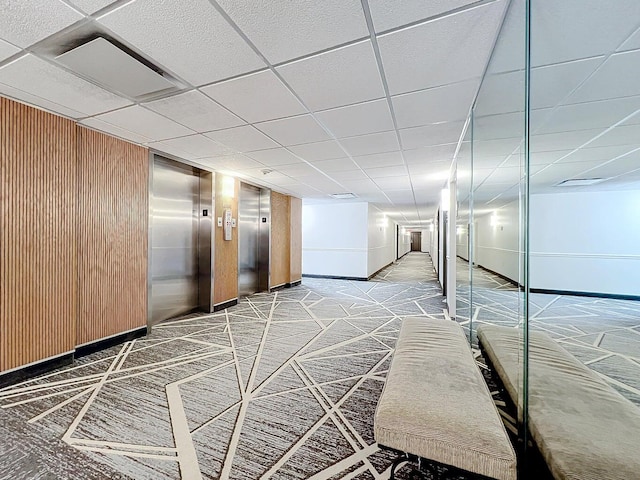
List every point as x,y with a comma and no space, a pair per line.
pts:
621,135
400,196
442,104
376,160
196,111
294,130
436,153
632,43
591,115
297,170
429,135
360,119
39,78
338,77
382,172
318,151
336,165
360,185
275,156
113,130
230,162
387,14
580,28
370,144
92,6
616,78
286,30
439,52
38,102
349,175
24,23
602,154
197,146
503,93
243,139
171,149
561,141
616,168
145,122
559,172
191,39
393,183
7,50
257,97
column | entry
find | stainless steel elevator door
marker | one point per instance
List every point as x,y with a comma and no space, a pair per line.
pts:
174,240
248,231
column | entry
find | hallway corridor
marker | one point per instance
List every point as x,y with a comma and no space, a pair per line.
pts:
283,385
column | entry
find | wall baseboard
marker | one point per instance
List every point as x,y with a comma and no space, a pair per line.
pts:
223,305
613,296
35,369
335,277
378,271
102,344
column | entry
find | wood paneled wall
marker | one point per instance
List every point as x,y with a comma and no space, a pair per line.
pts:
113,213
295,219
38,258
280,239
225,280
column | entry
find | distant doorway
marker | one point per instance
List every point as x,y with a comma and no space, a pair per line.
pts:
416,241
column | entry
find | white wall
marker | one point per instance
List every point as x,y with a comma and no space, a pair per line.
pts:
462,241
381,241
425,241
404,243
334,239
497,237
586,242
346,240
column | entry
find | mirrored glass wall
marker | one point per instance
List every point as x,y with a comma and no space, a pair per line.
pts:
548,234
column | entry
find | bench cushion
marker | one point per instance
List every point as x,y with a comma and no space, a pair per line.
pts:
436,404
582,426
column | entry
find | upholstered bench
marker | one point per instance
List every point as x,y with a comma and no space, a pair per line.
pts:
583,428
436,405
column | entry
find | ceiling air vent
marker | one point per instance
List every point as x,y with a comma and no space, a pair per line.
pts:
579,182
113,68
343,196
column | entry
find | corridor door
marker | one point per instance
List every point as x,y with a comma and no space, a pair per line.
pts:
416,241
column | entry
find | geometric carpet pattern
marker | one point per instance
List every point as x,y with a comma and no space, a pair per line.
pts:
284,386
602,333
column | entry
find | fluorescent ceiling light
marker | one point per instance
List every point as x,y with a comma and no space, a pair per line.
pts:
343,196
579,182
113,68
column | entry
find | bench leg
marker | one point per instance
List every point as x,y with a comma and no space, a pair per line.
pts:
402,458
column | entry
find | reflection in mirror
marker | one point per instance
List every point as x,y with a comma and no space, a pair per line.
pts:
464,199
584,235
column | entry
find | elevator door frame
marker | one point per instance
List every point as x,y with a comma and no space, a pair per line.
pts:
263,235
204,233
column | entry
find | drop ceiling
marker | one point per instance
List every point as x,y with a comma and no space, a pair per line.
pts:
361,96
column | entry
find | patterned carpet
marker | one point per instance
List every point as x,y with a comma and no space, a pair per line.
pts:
282,386
602,333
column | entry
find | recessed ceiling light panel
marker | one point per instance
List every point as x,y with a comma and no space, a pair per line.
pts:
113,68
343,196
579,182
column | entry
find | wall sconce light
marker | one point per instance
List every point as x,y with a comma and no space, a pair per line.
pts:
444,199
493,221
228,187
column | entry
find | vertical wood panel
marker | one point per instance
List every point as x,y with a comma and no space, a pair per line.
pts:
225,280
113,199
295,221
38,269
280,239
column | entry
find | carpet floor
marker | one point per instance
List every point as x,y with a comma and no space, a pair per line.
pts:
284,386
